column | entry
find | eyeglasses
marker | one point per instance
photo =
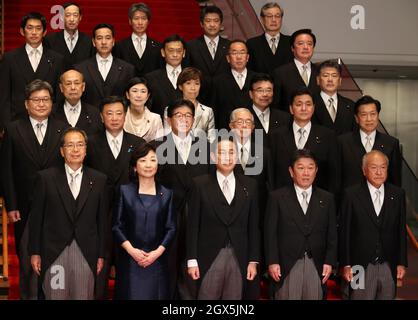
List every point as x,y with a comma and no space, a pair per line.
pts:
237,53
79,145
38,100
179,115
262,91
240,122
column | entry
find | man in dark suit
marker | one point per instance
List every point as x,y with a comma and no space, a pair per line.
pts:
104,74
139,50
300,233
30,144
373,232
181,157
73,45
266,118
271,49
208,52
332,110
73,111
300,72
223,238
67,227
230,89
163,82
352,146
25,64
254,161
302,134
110,152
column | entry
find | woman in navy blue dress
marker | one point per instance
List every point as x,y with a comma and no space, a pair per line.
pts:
143,227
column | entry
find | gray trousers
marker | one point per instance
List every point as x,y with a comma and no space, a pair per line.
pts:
302,282
28,280
69,277
223,280
378,285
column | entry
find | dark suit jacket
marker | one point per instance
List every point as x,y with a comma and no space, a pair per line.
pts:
16,72
344,121
100,157
365,236
289,232
351,152
262,58
151,58
260,168
227,96
321,141
278,120
89,119
83,49
209,227
287,79
56,218
198,56
22,158
162,90
96,89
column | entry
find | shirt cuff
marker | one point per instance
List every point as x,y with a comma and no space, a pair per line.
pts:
192,263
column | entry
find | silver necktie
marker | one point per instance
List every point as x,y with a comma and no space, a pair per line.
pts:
305,202
115,148
273,45
240,77
139,48
305,75
244,157
301,141
103,68
34,59
73,185
39,134
331,109
71,39
377,202
368,146
226,191
213,48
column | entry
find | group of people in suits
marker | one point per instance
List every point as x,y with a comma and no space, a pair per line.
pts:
118,138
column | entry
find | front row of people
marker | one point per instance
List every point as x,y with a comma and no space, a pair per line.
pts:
67,229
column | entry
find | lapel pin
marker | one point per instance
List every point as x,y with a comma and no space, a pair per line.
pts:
131,148
245,191
318,140
120,68
391,198
91,184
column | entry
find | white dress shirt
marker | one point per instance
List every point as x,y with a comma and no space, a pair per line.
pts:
109,62
243,74
296,134
266,118
372,189
29,49
34,124
247,147
299,195
326,98
269,37
183,146
208,41
72,113
118,138
78,174
143,40
67,38
300,65
170,76
363,138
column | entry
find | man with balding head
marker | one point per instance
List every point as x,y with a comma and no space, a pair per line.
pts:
373,232
73,111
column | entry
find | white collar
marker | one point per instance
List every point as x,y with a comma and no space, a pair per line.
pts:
170,68
69,106
299,65
220,177
246,145
135,36
363,135
373,189
208,40
29,49
109,59
269,37
326,97
119,137
235,73
34,122
258,112
307,127
67,36
70,171
177,139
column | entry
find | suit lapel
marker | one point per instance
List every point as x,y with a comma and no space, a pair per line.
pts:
28,138
93,69
44,66
124,156
87,184
240,197
364,197
323,114
314,139
357,148
295,210
52,137
219,55
289,141
65,192
113,75
204,52
217,199
22,60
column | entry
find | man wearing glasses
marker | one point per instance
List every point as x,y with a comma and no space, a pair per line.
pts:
230,89
25,64
181,157
30,144
271,49
266,118
68,224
